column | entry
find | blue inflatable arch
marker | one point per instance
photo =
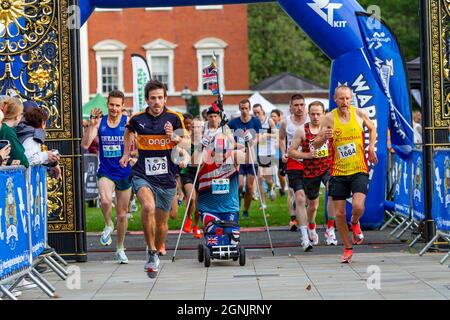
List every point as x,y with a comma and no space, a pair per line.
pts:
364,56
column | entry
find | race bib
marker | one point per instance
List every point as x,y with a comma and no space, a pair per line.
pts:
112,151
220,186
322,152
347,150
156,166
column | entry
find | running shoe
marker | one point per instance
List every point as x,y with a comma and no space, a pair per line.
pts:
272,195
357,235
313,236
121,256
105,239
347,256
256,196
187,225
293,225
152,265
306,245
331,237
180,202
245,214
282,193
162,250
197,232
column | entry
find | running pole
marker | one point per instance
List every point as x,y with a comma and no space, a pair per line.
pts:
260,199
187,206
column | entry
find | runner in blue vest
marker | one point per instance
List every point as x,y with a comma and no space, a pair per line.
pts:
111,175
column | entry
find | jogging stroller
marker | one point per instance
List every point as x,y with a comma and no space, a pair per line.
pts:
221,234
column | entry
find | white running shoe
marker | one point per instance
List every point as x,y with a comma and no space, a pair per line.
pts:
313,237
152,265
331,237
133,206
272,195
121,256
105,239
307,246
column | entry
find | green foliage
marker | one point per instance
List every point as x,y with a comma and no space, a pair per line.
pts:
277,45
193,106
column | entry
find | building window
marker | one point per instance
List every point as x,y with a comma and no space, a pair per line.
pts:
110,74
205,49
212,7
109,58
160,69
160,57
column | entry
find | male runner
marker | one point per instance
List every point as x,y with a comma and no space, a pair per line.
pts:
349,167
267,150
275,115
111,175
295,167
153,176
316,170
246,129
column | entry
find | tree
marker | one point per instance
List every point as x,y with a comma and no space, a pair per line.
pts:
277,45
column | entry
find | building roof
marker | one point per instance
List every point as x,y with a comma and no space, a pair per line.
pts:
287,81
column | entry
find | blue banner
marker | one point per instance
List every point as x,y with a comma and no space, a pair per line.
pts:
14,236
418,211
388,68
402,186
441,194
38,209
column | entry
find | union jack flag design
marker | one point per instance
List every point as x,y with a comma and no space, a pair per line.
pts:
212,240
214,88
209,75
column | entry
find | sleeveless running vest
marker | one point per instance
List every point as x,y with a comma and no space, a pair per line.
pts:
266,145
317,166
111,150
349,156
291,127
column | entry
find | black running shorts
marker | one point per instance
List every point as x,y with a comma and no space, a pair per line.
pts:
295,178
312,185
342,187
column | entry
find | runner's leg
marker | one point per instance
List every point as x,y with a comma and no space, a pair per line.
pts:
161,219
106,188
250,179
147,200
341,221
122,201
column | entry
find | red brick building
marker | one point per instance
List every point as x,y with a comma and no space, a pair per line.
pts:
177,42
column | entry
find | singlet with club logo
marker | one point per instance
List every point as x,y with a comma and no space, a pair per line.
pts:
111,149
266,144
317,166
218,190
349,156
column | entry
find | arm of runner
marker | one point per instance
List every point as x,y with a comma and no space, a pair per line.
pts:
326,131
127,140
297,141
282,140
92,130
372,134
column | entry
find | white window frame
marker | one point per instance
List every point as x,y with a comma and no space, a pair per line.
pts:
109,49
158,8
162,48
206,47
210,7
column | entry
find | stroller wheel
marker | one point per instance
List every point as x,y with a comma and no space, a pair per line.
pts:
200,253
242,256
207,256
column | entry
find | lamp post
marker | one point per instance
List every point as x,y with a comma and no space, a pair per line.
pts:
186,94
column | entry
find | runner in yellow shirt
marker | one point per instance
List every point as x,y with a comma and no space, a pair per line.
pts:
343,127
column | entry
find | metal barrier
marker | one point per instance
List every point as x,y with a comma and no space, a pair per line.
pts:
441,199
23,229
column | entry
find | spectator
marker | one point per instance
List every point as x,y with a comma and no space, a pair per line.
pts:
32,136
417,126
4,151
13,110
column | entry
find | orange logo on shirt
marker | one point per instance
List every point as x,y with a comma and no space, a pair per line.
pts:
338,131
154,142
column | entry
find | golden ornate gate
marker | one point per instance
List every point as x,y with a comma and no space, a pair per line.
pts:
39,61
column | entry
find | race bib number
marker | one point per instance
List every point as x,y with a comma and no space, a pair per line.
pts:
322,152
112,151
156,166
220,186
347,151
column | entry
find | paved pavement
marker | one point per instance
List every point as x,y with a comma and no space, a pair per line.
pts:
290,274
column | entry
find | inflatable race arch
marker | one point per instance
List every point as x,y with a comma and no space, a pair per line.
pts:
364,55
